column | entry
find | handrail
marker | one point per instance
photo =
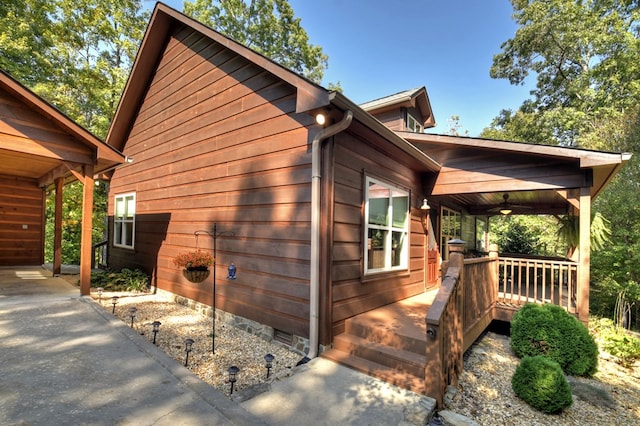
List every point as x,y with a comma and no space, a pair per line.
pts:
100,253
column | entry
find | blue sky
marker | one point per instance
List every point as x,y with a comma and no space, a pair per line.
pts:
380,47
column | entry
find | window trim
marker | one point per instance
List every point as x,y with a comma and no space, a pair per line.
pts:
417,127
123,220
404,260
444,241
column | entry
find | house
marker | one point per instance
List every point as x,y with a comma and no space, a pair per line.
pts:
315,200
40,149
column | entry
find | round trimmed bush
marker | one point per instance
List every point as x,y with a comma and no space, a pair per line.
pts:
550,331
540,382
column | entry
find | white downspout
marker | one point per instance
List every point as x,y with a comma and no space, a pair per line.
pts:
314,290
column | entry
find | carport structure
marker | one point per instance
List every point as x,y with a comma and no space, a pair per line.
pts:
41,148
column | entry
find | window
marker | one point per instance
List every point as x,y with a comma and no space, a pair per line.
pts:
413,125
451,228
124,220
387,227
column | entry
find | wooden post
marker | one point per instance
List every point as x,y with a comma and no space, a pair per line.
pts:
86,237
456,260
57,233
584,250
495,273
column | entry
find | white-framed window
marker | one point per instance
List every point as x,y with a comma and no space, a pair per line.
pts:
450,228
386,227
124,220
413,125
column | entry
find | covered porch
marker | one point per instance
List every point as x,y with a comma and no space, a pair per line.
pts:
42,149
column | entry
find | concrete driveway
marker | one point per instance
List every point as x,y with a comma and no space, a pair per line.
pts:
64,360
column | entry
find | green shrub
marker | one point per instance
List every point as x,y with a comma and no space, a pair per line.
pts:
125,280
540,382
550,331
616,341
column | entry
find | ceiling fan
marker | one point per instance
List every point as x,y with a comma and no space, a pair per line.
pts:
506,207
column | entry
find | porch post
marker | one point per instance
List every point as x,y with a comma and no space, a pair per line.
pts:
57,233
86,236
584,253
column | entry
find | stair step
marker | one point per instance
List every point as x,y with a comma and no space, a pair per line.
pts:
392,357
385,334
373,369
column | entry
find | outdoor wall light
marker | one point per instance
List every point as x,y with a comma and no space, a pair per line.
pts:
268,359
233,372
100,290
232,272
132,314
425,216
321,118
187,348
114,302
156,328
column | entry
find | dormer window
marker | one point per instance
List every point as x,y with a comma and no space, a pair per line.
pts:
413,125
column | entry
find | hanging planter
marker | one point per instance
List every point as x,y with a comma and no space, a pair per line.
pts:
195,275
195,265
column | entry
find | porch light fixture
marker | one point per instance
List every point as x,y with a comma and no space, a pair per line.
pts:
114,302
188,343
233,373
425,216
156,328
321,119
505,210
268,359
232,272
132,314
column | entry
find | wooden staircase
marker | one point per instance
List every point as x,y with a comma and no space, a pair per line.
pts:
388,343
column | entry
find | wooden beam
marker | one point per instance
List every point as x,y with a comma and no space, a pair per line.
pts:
59,172
86,236
57,233
571,197
584,275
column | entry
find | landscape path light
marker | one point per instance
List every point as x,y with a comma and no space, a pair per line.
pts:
100,290
268,359
233,373
132,314
187,348
156,328
114,302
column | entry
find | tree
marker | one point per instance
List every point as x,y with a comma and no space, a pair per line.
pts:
267,26
584,56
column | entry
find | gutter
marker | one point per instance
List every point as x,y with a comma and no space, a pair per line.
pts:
314,284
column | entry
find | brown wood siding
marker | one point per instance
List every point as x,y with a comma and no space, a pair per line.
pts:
393,119
21,227
353,293
217,140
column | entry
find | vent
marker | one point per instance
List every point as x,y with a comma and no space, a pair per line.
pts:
283,337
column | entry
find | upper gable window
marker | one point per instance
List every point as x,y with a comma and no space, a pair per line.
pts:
124,220
413,125
387,227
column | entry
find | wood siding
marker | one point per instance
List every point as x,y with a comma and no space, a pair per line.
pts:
21,227
351,292
217,140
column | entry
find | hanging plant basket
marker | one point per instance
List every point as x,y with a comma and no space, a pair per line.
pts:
196,275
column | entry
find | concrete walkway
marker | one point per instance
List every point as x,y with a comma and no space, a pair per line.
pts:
65,360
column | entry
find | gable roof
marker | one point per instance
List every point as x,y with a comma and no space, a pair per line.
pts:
412,98
43,143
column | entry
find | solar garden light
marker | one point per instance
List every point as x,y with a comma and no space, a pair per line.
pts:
114,302
100,290
132,314
268,359
187,348
233,372
156,328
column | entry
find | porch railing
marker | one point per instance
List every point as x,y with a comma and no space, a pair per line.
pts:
100,254
539,280
480,288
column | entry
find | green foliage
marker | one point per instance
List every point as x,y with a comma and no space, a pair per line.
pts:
616,341
125,280
267,26
550,331
540,382
526,235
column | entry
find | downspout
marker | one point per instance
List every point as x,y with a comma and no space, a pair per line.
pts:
314,284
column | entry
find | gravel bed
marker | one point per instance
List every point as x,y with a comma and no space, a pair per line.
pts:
233,347
484,394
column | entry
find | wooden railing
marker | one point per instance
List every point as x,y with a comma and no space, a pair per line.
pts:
539,280
480,295
445,329
100,253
